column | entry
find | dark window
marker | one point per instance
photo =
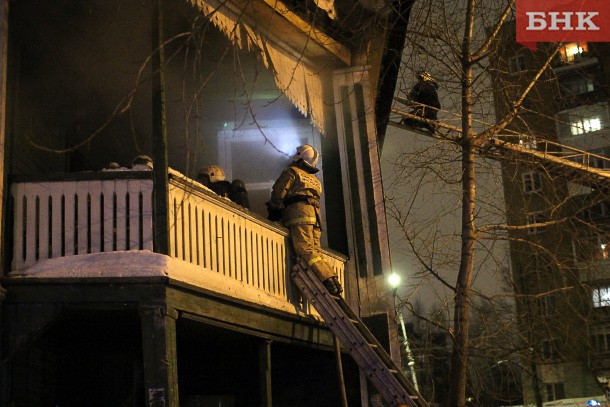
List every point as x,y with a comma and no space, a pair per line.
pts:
555,391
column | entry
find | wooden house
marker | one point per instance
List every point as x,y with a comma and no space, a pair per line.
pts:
134,286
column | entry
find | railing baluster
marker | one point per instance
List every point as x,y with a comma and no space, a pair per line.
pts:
147,215
81,220
121,215
69,189
95,190
133,189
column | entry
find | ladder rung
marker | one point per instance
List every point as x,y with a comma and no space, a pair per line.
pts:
358,341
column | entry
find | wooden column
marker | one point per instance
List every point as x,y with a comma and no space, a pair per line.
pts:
264,368
159,355
4,387
159,137
4,4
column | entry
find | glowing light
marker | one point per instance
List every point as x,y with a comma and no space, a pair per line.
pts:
289,140
394,280
593,403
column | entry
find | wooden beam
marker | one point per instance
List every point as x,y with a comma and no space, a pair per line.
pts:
264,369
251,320
4,4
159,355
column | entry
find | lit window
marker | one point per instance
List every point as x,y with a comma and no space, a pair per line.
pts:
603,248
585,125
583,119
573,51
601,297
532,181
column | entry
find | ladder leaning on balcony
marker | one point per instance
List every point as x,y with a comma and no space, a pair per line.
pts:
379,368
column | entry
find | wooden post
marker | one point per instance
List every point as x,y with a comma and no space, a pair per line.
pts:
159,355
4,387
4,4
337,346
264,368
159,137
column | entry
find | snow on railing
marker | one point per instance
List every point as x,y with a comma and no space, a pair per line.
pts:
105,212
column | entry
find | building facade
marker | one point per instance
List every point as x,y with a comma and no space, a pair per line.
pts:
558,240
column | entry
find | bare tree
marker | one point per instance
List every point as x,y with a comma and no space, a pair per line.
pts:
462,45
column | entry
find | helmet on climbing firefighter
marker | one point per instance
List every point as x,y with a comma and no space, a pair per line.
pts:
425,75
215,172
308,154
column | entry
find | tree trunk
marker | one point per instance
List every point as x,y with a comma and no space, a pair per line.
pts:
459,358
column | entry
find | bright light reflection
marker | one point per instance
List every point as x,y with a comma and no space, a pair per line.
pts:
288,141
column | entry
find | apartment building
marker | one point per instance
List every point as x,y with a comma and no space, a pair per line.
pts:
558,246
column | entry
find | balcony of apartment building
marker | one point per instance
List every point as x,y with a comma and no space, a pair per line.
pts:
573,56
584,127
99,226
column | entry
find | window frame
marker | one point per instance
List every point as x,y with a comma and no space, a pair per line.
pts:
533,218
531,181
517,64
600,296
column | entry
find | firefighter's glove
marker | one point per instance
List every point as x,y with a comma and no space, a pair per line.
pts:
275,214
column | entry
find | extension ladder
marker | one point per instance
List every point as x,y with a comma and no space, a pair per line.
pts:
366,351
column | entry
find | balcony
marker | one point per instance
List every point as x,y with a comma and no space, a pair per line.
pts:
100,225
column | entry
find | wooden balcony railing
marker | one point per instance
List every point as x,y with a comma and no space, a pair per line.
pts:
77,214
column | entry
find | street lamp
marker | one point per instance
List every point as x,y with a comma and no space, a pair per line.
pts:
394,281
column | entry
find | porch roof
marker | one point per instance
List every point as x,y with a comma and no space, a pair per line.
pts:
302,54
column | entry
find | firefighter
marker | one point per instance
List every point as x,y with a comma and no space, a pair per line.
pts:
295,200
424,98
213,177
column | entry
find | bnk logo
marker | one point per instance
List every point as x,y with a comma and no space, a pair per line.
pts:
562,21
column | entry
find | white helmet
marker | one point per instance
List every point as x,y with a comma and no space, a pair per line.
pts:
215,172
308,154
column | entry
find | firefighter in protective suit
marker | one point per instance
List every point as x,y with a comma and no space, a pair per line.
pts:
295,200
424,97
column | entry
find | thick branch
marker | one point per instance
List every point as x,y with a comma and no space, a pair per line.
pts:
483,51
486,135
